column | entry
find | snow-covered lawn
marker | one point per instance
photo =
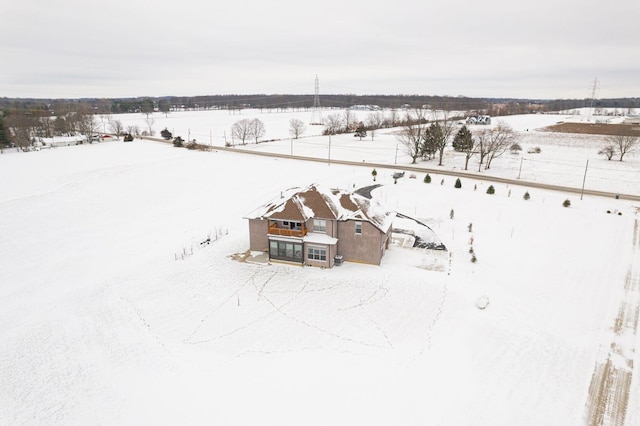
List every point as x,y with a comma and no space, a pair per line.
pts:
100,324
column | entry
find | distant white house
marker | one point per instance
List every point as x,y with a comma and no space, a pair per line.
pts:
479,119
632,119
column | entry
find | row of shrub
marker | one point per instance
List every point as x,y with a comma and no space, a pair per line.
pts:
491,190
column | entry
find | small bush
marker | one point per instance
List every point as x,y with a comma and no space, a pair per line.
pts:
566,203
458,183
619,213
166,134
491,190
178,142
197,146
474,259
526,195
128,137
427,178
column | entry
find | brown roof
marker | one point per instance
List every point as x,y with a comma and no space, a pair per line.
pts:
317,202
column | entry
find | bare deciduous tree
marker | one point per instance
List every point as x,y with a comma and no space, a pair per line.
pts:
133,130
348,119
86,124
411,139
446,126
482,138
241,130
150,122
374,122
393,117
296,127
608,151
257,129
623,144
500,138
412,135
333,124
116,127
21,127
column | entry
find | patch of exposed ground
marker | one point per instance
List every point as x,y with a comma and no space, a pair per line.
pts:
241,257
595,129
611,381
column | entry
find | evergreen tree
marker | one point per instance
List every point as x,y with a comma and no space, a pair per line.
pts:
427,178
463,142
458,183
566,203
491,190
526,195
166,134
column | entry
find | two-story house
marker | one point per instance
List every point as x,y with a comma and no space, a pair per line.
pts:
313,225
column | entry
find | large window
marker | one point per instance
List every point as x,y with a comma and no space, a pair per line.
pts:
319,225
285,250
358,227
317,253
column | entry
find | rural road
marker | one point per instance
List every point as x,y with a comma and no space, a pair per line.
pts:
410,168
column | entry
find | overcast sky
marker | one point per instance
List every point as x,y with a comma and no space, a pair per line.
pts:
492,48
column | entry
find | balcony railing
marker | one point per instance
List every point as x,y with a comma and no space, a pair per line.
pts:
273,229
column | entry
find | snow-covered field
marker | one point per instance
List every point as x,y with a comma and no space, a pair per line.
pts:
100,324
563,160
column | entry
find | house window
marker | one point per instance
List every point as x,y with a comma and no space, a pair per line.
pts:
319,225
285,250
317,253
358,227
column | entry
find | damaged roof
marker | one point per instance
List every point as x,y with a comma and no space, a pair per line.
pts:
314,201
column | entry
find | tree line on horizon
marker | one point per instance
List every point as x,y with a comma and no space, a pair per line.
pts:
166,104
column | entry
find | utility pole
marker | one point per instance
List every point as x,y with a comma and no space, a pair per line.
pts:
520,170
584,179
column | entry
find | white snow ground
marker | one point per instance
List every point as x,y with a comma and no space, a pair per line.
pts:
100,324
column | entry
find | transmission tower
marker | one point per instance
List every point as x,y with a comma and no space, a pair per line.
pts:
594,92
316,115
